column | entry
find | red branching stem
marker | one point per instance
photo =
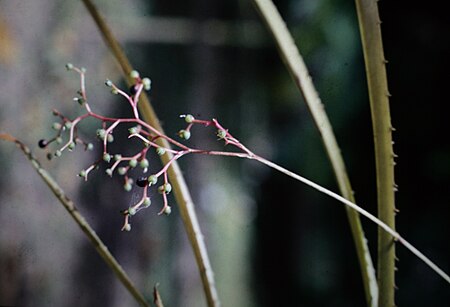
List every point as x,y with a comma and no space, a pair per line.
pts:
109,131
165,204
72,129
88,170
166,167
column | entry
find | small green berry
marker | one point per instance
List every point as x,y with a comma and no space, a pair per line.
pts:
110,138
101,133
168,210
133,130
147,83
71,146
160,151
58,153
221,133
189,118
69,66
108,83
147,202
127,227
82,173
152,179
56,126
161,189
90,146
59,140
144,163
117,157
134,74
106,157
68,125
133,162
131,211
122,170
184,134
109,172
114,91
167,188
83,70
127,186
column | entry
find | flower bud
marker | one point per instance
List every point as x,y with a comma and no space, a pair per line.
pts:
221,134
165,188
168,210
184,134
56,126
69,66
132,163
106,157
189,118
133,130
144,163
101,133
127,186
122,170
147,83
147,202
134,74
131,211
160,151
152,179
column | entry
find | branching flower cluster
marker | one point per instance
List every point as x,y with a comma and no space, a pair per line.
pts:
147,134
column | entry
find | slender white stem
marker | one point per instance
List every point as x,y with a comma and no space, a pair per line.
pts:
360,210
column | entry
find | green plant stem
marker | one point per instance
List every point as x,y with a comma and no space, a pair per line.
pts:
299,72
180,188
369,24
81,221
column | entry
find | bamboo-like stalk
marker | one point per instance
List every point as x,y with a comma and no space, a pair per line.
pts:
180,188
369,24
299,72
81,221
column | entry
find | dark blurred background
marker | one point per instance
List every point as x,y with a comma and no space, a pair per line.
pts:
272,241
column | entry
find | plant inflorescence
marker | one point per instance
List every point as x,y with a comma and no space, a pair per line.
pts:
150,137
147,134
